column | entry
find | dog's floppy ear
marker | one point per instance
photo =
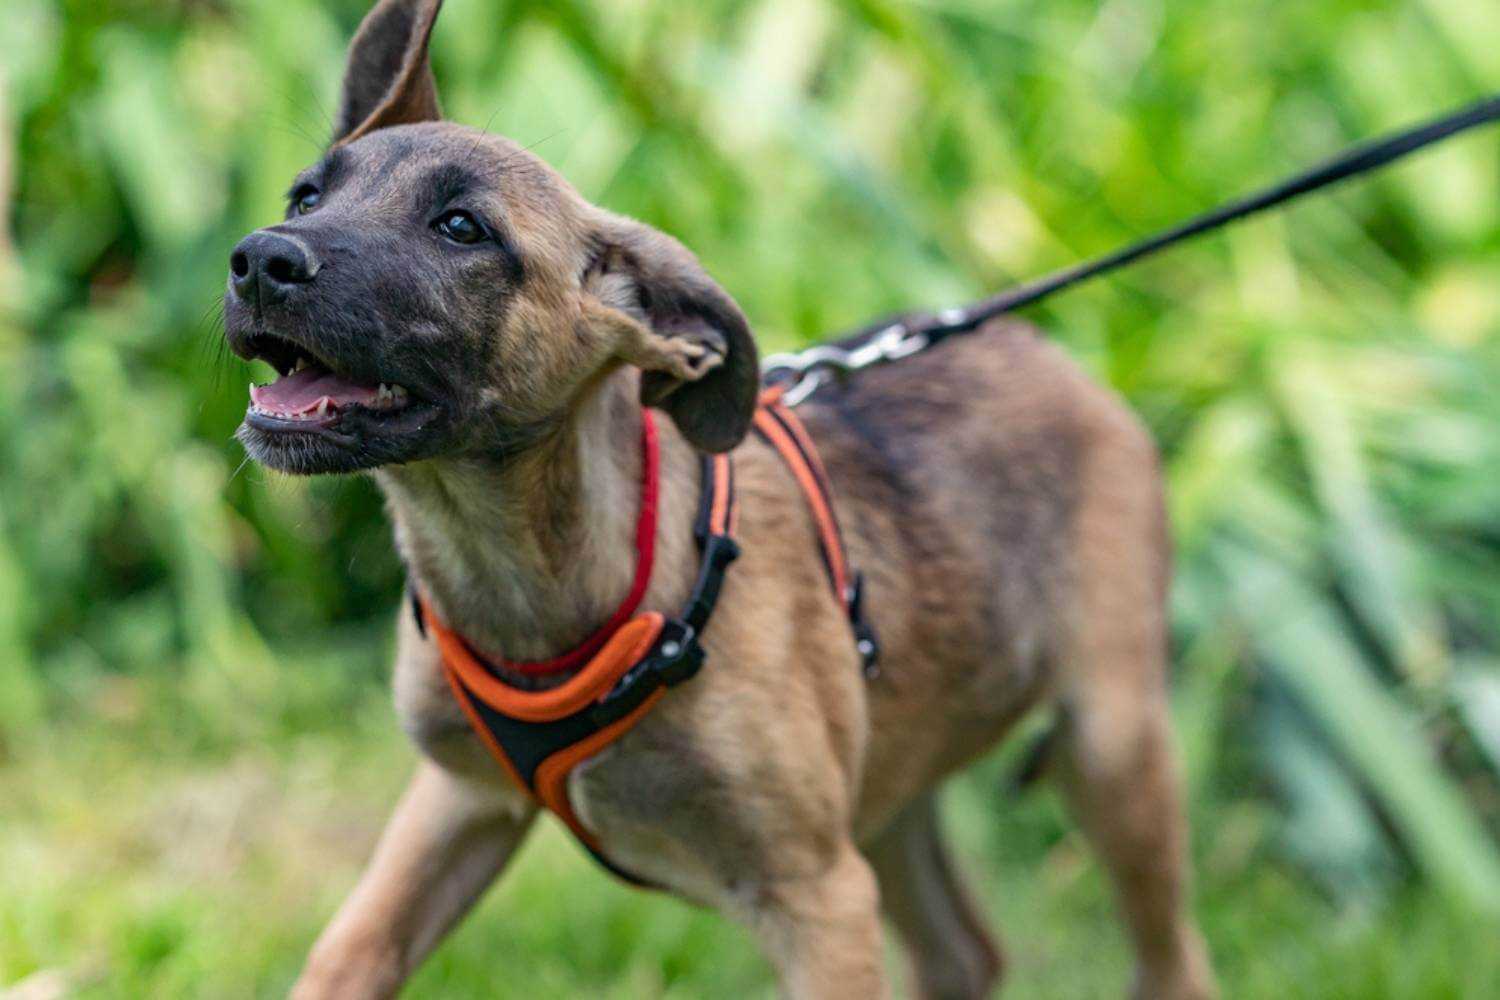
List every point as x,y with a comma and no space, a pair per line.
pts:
691,342
387,79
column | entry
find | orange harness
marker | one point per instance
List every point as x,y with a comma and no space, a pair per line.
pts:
624,669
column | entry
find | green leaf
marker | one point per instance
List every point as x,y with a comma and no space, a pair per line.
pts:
1302,641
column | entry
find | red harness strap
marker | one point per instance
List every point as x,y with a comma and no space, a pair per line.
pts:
645,558
624,669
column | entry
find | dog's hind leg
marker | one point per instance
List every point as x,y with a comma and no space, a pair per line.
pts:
952,954
1117,762
1119,777
446,842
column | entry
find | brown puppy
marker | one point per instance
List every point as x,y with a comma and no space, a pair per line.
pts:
1006,510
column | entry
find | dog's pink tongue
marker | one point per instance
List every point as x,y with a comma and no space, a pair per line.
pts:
301,391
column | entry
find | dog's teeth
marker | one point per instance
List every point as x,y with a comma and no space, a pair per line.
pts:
398,393
383,394
302,363
323,407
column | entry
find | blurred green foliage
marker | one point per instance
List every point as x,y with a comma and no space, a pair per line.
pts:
195,748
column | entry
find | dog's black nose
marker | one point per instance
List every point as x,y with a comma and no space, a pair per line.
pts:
268,265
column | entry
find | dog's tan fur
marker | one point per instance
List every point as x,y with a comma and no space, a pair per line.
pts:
1007,512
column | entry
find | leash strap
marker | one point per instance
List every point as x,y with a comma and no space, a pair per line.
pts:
539,737
1361,159
800,374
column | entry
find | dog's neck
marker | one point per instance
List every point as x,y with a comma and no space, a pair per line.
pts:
526,554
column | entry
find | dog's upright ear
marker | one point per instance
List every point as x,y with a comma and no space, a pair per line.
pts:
690,340
387,78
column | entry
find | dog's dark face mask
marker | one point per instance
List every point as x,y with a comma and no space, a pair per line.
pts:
434,290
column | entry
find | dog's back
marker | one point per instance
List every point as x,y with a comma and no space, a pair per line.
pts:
983,485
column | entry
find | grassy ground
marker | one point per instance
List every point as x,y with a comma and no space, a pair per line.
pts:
152,851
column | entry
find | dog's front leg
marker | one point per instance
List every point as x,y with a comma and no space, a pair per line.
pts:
822,932
446,842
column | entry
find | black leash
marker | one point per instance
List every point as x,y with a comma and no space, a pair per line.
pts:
892,339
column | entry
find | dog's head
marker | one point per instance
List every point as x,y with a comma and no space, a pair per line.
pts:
435,290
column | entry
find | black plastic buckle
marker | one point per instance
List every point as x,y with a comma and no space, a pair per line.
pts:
674,657
864,633
718,552
416,610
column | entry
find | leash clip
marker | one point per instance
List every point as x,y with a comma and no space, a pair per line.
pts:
804,372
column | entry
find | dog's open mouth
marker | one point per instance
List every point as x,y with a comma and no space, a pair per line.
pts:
312,393
309,395
315,418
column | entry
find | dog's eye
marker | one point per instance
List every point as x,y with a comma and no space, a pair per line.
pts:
305,200
460,227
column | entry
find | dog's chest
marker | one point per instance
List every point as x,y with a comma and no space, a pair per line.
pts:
666,809
634,821
663,802
710,804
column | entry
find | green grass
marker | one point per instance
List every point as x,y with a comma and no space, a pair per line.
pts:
147,858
